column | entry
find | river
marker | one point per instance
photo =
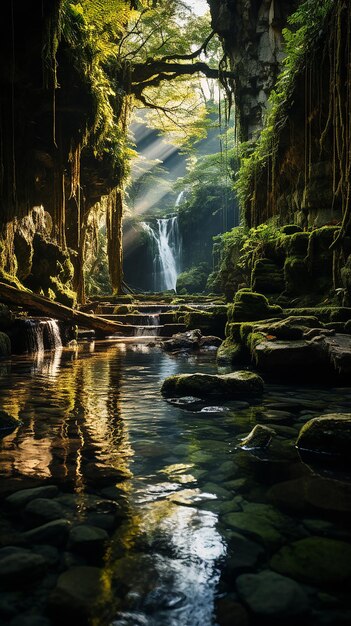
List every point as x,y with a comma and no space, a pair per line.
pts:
201,541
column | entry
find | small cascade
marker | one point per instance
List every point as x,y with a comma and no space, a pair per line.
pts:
151,328
41,334
166,242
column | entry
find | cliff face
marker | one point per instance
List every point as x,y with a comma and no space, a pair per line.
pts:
49,157
251,31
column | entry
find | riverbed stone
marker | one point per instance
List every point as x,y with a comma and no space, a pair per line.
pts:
262,522
330,434
76,594
230,385
55,533
21,566
243,556
272,595
19,499
315,560
42,510
312,492
88,541
259,437
230,612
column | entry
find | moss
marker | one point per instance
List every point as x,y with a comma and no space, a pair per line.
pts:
297,277
253,339
208,323
324,314
122,309
251,306
232,331
24,254
5,345
297,244
290,229
267,277
229,352
6,317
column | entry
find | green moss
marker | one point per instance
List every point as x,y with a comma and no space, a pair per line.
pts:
290,229
122,309
297,244
193,280
208,323
251,306
297,277
229,352
232,331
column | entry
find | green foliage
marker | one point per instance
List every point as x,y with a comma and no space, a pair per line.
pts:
193,280
306,24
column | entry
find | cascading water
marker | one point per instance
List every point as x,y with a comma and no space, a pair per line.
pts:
41,334
166,242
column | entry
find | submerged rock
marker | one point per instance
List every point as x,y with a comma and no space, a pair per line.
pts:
21,498
270,594
315,560
21,566
76,593
259,437
7,422
329,434
190,340
204,385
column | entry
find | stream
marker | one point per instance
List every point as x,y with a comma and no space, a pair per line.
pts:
209,534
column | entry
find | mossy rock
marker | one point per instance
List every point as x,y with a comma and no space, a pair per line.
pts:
208,323
296,274
229,353
267,277
122,309
260,437
297,244
232,331
233,385
316,561
290,229
5,345
24,254
327,434
251,306
6,317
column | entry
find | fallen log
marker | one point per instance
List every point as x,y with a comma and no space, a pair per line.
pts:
32,302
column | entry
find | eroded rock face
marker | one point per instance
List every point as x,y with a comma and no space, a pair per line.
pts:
252,37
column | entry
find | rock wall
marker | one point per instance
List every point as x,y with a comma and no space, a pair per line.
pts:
251,31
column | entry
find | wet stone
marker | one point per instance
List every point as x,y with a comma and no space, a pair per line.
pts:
269,594
21,566
21,498
259,437
76,593
88,541
230,612
261,522
30,619
315,560
42,510
243,554
55,533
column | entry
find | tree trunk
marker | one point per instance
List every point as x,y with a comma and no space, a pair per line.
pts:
114,239
36,303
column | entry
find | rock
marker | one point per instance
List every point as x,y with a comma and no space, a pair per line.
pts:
259,437
54,533
250,306
88,541
229,612
287,357
210,341
7,422
190,340
186,402
30,619
273,415
316,561
312,492
328,434
76,594
229,352
243,555
21,566
228,385
262,522
271,595
21,498
42,510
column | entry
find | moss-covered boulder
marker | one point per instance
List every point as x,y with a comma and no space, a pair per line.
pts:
231,385
229,352
210,323
5,345
315,560
327,434
297,244
296,358
250,306
290,229
267,277
296,275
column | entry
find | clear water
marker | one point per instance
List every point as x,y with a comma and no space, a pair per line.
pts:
170,563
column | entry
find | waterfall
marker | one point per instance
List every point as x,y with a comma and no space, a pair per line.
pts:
166,252
41,334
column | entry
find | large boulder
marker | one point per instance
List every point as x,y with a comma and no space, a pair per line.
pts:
231,385
190,340
328,434
250,306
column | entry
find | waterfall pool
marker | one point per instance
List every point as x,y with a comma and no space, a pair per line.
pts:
200,532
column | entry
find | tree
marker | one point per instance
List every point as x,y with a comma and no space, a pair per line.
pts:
134,54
